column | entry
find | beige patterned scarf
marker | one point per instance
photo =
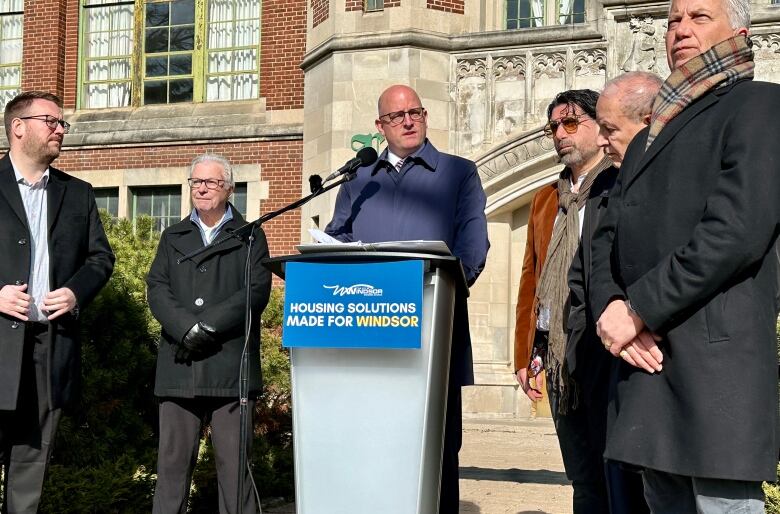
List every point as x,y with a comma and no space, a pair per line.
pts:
723,64
553,291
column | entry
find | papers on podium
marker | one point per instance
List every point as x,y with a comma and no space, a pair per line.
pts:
326,243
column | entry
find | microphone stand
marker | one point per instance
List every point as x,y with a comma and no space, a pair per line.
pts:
245,233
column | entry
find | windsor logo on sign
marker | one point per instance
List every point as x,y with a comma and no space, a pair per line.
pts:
368,305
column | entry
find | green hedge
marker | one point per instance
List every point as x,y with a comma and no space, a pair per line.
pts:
104,459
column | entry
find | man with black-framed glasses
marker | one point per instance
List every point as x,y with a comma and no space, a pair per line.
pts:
56,258
416,192
547,335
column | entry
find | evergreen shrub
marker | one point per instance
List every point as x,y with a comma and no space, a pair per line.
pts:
104,459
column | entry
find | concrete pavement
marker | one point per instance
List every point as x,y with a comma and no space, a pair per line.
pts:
512,468
506,468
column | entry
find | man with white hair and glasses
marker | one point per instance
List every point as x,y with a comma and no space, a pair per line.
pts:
201,305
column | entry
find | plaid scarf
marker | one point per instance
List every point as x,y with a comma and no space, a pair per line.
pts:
553,291
723,64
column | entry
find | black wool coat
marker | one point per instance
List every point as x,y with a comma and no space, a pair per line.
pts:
586,359
689,239
80,259
208,288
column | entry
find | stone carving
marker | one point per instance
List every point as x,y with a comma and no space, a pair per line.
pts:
766,45
549,65
508,96
590,62
643,40
514,156
767,56
472,68
471,104
509,67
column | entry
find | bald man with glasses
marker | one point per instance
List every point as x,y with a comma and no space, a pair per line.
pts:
56,258
416,192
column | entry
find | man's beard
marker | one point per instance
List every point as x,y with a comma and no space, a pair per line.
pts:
572,158
576,157
41,150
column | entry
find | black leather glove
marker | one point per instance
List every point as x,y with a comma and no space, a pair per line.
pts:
200,339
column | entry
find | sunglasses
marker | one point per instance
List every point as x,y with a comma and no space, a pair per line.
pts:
569,123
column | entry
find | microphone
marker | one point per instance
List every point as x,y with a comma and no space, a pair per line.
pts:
315,183
364,157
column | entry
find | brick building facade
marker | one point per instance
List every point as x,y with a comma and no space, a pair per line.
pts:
149,84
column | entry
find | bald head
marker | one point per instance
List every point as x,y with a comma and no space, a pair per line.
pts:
623,109
634,92
392,94
404,132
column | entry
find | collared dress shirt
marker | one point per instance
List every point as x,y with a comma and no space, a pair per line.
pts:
34,198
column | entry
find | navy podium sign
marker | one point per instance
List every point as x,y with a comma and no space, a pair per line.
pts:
366,305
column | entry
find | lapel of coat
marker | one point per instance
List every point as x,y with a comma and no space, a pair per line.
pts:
667,135
10,189
55,192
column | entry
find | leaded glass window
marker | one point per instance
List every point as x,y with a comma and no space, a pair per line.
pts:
107,198
522,14
239,198
139,52
108,49
11,27
571,11
169,41
374,5
163,204
233,50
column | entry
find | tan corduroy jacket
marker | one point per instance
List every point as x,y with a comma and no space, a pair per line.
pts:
544,207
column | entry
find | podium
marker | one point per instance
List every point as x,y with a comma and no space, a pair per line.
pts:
368,415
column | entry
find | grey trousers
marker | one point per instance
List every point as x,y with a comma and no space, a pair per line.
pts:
27,433
670,493
181,424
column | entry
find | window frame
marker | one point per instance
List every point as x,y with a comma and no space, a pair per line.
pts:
176,206
379,5
20,63
551,14
99,197
200,54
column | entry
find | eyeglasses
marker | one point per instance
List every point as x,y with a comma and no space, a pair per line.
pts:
569,123
397,117
50,121
211,183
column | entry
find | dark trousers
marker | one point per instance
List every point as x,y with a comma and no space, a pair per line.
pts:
599,486
626,491
580,434
449,497
27,433
667,492
181,424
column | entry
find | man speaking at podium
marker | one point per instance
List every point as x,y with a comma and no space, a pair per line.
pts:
416,192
